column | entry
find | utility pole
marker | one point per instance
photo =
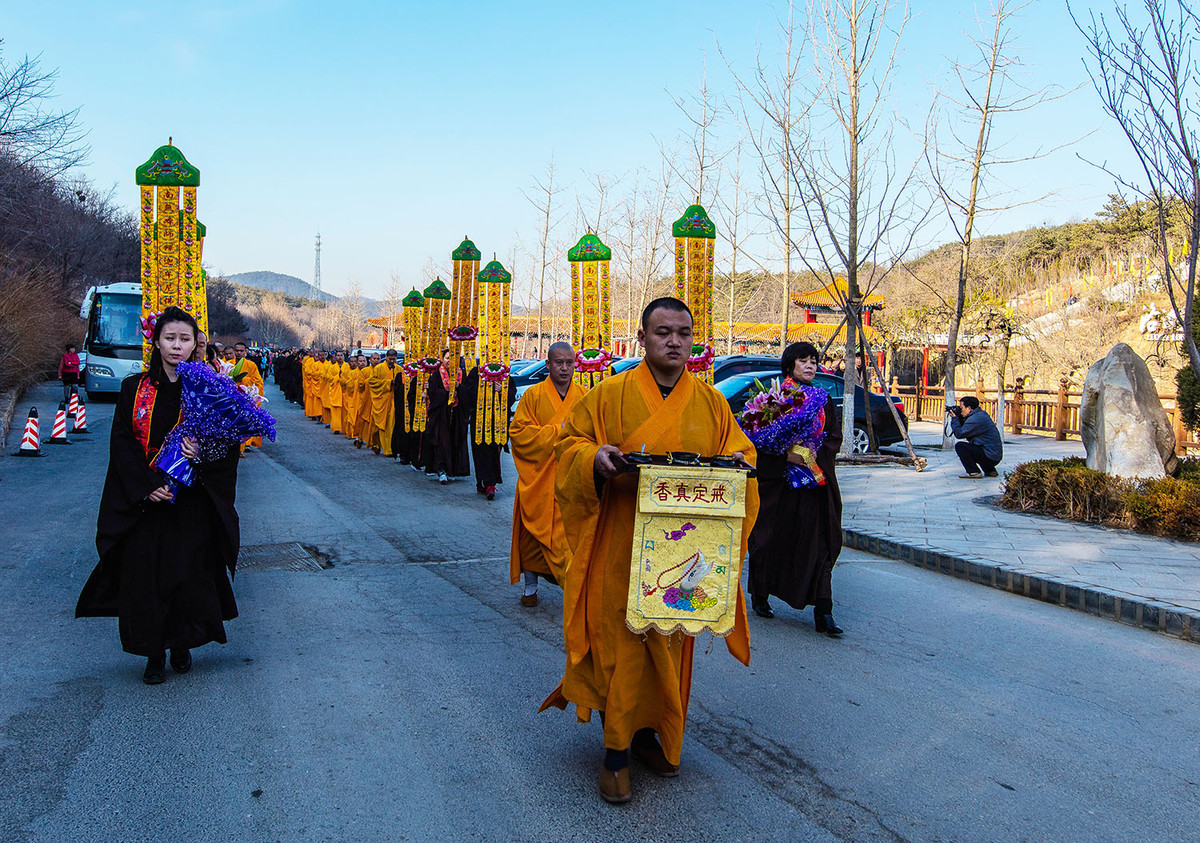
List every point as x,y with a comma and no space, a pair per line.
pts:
317,268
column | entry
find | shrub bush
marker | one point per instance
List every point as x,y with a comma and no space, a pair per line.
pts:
1069,489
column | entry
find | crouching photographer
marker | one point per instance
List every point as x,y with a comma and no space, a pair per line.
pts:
983,447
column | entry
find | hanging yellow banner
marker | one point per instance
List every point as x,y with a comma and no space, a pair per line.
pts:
686,566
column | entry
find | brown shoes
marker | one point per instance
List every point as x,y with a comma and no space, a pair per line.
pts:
614,786
529,600
651,754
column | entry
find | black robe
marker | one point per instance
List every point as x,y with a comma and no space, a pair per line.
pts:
401,439
798,535
486,457
443,445
164,567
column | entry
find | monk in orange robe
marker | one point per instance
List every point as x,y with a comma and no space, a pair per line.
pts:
333,389
538,541
245,373
349,398
639,683
383,411
307,368
362,433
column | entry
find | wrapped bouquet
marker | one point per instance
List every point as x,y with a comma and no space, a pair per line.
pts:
788,420
217,413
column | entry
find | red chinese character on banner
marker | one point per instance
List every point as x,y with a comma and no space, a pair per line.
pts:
718,494
700,493
662,491
681,493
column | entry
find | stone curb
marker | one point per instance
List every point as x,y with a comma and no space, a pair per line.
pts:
1130,609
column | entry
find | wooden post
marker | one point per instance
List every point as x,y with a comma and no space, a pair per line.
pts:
1018,397
920,394
979,389
1180,434
1060,411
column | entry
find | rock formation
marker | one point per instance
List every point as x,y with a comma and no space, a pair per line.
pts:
1124,427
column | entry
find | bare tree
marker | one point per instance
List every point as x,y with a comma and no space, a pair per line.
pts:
858,205
273,323
772,105
960,163
393,303
31,133
543,199
351,315
1145,73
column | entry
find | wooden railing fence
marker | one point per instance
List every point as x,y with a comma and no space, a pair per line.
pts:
1031,410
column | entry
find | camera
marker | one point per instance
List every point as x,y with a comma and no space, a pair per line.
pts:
956,411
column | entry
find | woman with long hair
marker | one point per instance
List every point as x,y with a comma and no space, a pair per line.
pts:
166,551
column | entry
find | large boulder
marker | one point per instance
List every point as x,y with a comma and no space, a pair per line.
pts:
1124,427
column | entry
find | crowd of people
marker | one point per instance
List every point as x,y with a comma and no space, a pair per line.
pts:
372,401
166,552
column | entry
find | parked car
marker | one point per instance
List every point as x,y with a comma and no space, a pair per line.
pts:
725,366
737,391
535,372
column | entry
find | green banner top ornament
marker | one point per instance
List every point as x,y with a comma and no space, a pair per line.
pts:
589,248
437,290
413,299
466,251
694,223
167,168
495,273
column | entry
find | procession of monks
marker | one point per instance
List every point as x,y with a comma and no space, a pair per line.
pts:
573,514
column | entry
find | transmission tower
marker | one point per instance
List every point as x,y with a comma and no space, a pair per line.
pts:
317,267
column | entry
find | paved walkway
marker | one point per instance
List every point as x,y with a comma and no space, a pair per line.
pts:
939,521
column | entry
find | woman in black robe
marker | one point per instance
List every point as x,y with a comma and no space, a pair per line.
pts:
798,535
163,557
436,443
400,437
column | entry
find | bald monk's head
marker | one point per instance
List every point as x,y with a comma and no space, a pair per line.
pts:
666,334
560,361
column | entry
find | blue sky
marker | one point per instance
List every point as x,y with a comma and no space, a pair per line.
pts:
396,128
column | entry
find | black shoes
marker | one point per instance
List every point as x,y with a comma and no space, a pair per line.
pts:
156,670
181,661
826,624
762,608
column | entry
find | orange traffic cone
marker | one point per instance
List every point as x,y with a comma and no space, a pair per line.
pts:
59,437
31,442
80,419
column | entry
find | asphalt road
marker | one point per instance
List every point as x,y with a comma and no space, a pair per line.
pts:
393,696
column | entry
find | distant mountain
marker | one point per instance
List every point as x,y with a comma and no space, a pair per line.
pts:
277,282
290,285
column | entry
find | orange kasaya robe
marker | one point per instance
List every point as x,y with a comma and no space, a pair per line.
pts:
349,382
324,376
307,369
365,420
638,681
383,410
334,390
538,541
252,378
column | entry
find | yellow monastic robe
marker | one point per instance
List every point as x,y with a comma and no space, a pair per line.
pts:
324,376
349,400
308,370
538,541
254,379
335,395
365,421
383,410
638,681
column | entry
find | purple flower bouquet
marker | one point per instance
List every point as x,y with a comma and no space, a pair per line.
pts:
785,416
215,412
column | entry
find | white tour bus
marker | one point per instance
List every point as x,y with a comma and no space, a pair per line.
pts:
112,349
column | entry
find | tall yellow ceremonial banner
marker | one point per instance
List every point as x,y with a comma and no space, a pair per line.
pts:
686,562
463,328
414,351
495,355
434,317
695,237
172,240
591,311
